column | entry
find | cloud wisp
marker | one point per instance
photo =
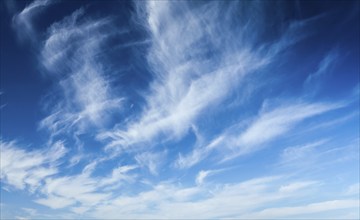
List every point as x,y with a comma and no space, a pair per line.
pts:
267,126
69,52
21,169
227,201
23,21
38,172
324,67
83,189
198,60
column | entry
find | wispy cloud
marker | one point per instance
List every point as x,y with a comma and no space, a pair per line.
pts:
271,124
23,21
2,105
267,126
223,201
286,212
199,153
324,66
318,155
217,83
38,172
83,189
69,52
196,62
22,169
326,124
296,186
55,202
151,160
297,154
203,174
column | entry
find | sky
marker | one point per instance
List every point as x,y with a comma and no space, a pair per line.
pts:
180,109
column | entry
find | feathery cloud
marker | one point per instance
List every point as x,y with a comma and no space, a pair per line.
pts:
267,126
21,169
23,21
197,62
70,52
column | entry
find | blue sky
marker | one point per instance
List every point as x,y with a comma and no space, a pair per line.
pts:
179,109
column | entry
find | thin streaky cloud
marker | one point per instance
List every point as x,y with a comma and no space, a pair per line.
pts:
23,21
296,186
267,126
86,90
186,81
324,67
284,212
179,110
22,169
204,174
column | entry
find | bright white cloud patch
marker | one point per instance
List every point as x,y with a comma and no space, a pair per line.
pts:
274,123
203,174
21,169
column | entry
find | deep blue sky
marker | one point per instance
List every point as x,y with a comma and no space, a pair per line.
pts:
179,109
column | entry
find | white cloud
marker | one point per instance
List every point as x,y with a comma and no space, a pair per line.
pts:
302,153
20,218
199,153
293,187
56,202
318,155
203,174
286,212
69,54
21,168
118,174
97,196
61,192
34,171
197,59
23,21
220,201
2,105
151,160
269,125
334,121
274,123
324,66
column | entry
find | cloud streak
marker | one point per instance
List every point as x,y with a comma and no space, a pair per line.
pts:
69,52
268,125
196,62
324,66
168,201
326,206
23,22
22,169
